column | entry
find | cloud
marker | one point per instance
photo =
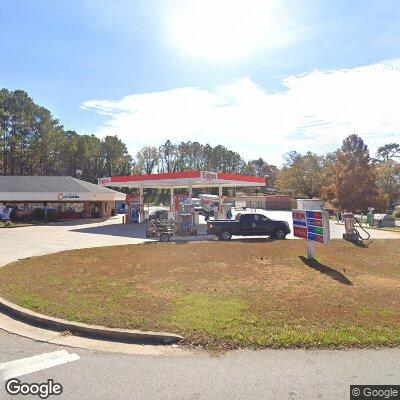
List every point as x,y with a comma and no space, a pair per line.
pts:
314,111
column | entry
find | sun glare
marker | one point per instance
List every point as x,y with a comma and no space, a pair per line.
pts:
224,30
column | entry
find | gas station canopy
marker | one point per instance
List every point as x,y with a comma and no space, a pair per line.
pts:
184,179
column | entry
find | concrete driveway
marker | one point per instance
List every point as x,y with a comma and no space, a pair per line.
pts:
37,240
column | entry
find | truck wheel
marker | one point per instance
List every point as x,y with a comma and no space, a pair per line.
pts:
225,236
279,234
164,237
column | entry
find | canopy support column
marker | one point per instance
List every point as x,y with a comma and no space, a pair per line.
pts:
171,199
220,216
190,193
141,204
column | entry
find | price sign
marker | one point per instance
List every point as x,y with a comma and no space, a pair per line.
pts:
311,225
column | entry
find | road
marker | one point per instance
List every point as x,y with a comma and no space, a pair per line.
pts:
267,374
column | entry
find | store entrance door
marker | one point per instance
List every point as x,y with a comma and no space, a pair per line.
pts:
95,210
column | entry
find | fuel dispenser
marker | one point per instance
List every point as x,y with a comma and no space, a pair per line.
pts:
134,210
225,207
187,216
351,233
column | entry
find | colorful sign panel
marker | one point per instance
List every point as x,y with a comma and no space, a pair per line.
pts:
311,225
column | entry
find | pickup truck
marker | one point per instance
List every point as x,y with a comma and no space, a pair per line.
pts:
248,225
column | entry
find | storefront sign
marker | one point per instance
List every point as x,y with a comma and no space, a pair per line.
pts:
209,176
67,196
311,225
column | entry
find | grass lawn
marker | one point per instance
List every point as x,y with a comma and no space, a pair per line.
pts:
223,295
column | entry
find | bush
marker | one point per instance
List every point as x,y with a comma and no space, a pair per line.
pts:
51,215
38,214
396,213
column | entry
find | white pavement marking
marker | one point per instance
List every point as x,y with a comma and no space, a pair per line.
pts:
13,369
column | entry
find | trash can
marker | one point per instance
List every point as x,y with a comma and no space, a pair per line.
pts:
370,218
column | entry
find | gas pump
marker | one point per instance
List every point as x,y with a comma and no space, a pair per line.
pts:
351,233
132,209
225,207
185,211
349,223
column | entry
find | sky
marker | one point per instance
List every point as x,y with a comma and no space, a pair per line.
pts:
262,77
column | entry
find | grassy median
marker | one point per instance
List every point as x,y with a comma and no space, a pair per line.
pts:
223,295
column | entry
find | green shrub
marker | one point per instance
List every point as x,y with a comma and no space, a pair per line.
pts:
38,214
51,215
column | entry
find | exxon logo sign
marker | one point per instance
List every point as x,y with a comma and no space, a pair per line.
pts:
209,176
104,181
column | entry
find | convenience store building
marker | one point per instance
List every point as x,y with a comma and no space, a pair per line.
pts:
71,198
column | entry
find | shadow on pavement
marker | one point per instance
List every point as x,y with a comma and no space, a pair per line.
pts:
336,275
74,222
135,231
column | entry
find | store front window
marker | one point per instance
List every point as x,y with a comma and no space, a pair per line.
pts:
66,210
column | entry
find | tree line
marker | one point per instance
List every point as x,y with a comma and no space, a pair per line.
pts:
349,178
33,142
187,156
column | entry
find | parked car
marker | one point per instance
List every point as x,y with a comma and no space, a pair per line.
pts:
248,225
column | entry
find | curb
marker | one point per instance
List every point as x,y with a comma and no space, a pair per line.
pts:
85,330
